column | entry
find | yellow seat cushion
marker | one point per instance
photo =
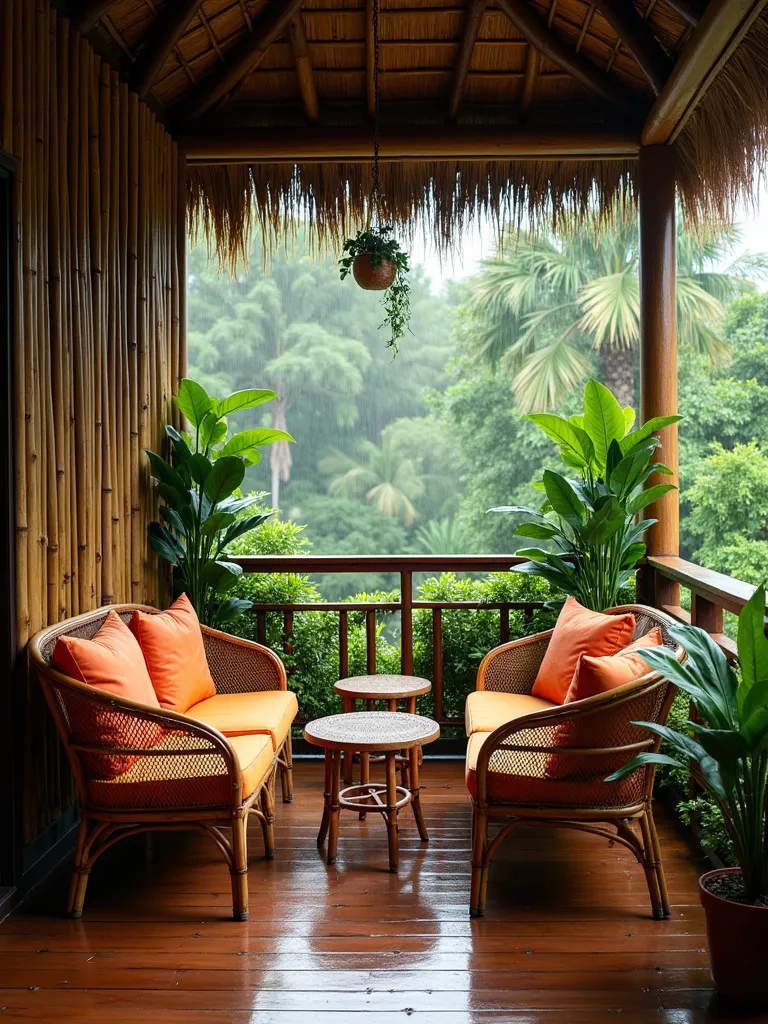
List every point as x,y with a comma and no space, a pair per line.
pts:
485,710
530,786
238,714
193,780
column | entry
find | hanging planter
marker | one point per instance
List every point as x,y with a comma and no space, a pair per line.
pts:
377,263
375,259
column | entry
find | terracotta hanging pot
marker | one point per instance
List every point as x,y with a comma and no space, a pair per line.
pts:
737,938
373,279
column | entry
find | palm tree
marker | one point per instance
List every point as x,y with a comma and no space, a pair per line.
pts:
383,477
445,537
544,301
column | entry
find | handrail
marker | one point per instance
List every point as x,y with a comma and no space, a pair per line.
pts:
405,566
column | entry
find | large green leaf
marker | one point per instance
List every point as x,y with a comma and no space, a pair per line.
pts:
241,444
603,419
200,466
574,442
564,499
243,526
639,761
164,472
604,524
646,497
753,644
221,575
224,478
646,430
193,401
628,472
165,544
244,400
212,431
558,579
216,522
536,531
715,674
229,609
632,555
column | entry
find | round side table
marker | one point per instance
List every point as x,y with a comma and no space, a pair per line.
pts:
379,732
390,688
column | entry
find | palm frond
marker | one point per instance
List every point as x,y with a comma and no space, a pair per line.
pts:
548,375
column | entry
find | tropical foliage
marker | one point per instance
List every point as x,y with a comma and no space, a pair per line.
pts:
728,741
381,476
590,521
201,510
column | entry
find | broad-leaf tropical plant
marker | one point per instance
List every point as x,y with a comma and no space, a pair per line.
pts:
590,519
728,743
202,511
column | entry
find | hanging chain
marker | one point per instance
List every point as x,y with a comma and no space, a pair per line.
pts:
376,212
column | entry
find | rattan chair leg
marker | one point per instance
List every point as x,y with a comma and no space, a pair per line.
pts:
286,770
660,875
413,755
80,872
479,845
267,801
649,866
390,762
239,866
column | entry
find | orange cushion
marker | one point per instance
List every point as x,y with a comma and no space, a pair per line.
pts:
155,783
486,710
599,675
578,631
238,714
539,790
110,661
172,645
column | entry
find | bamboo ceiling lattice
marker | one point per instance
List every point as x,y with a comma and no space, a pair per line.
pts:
516,108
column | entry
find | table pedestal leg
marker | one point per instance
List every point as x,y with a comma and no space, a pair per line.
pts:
349,705
326,819
391,770
365,775
413,755
333,833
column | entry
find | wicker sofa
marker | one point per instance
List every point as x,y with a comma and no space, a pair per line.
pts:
532,762
207,769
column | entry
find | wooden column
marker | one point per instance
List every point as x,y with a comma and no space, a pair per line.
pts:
658,346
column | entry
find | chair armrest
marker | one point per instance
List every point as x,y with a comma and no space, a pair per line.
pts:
242,666
512,667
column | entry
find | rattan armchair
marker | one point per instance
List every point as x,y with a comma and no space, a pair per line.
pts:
173,772
548,767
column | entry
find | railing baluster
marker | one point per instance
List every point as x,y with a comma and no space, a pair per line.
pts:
437,662
370,641
261,627
288,633
343,646
406,623
504,624
705,614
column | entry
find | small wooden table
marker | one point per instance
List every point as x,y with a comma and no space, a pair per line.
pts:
380,732
390,688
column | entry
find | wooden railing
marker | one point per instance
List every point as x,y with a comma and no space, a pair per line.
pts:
404,566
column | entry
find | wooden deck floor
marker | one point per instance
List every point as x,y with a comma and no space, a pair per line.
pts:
568,935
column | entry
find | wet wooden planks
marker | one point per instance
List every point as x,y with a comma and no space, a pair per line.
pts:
568,935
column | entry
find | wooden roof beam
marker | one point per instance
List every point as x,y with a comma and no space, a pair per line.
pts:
304,71
370,59
89,12
529,80
712,42
419,143
472,23
636,36
170,26
546,42
238,62
689,10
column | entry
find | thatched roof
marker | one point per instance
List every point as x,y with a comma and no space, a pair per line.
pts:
516,108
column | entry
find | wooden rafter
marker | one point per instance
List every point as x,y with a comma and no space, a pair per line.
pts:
89,12
717,35
690,10
472,23
637,37
370,85
423,143
163,36
529,80
304,72
241,59
546,42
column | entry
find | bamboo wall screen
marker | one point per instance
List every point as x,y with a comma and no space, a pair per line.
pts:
99,307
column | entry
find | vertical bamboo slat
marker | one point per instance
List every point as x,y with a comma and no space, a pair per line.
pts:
99,275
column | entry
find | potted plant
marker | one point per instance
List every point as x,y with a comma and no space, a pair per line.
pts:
202,512
590,520
727,747
377,263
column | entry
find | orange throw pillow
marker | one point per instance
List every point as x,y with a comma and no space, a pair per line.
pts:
599,675
172,645
111,661
579,631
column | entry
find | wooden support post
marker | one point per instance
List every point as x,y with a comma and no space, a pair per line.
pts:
658,348
406,623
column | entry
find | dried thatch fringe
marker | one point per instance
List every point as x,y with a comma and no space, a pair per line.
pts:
723,149
438,200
